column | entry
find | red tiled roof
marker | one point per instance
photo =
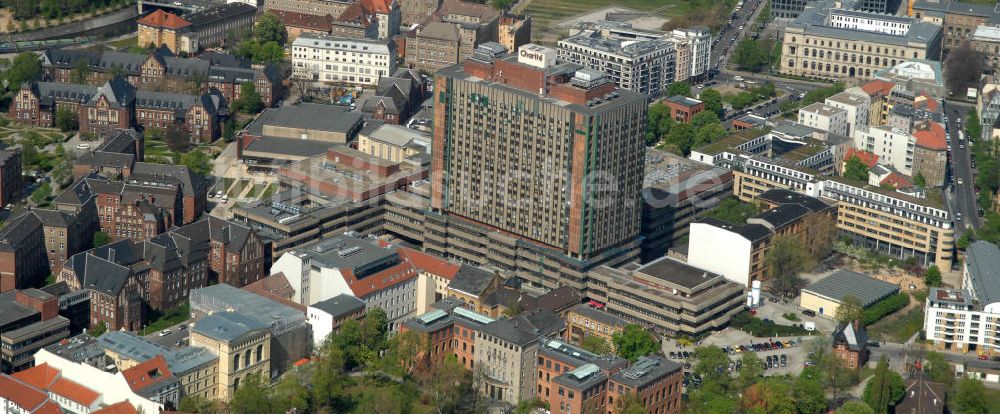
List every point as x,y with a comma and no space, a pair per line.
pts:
356,13
923,100
165,20
377,6
932,136
866,157
123,407
49,407
147,373
877,86
276,288
39,376
896,180
303,20
430,264
23,395
74,392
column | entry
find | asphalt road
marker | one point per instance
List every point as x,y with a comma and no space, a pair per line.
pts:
961,197
727,38
172,339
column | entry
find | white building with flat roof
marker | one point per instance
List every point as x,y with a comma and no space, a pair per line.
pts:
340,59
824,118
893,146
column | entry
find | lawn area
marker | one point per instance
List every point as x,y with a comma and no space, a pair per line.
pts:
238,188
546,14
900,327
159,321
269,191
157,151
126,43
258,190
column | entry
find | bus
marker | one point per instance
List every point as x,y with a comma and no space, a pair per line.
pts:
961,135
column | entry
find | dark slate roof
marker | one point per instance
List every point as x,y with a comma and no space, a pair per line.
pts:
131,63
674,271
120,140
219,13
983,264
50,92
190,182
922,396
179,103
79,193
105,159
233,236
604,317
780,216
172,250
18,229
54,218
289,146
554,300
117,91
527,327
224,59
388,102
107,268
842,283
471,280
853,335
339,305
783,196
10,310
185,68
321,117
752,232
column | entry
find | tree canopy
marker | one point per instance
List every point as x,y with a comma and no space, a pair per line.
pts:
198,162
855,169
885,389
597,345
970,397
713,101
679,88
850,309
634,342
784,260
25,67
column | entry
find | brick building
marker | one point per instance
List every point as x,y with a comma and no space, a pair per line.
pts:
203,29
114,275
237,256
850,343
135,212
10,174
117,105
162,71
297,23
682,108
115,157
177,264
23,262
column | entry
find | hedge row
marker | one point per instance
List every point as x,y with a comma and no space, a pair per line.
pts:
886,306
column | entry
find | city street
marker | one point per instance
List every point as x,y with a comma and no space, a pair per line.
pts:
730,35
962,197
177,338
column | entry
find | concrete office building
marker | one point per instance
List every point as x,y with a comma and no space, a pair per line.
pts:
825,118
840,43
893,146
496,121
644,66
341,59
857,105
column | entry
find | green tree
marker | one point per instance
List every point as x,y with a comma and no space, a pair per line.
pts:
67,120
937,368
854,407
751,370
850,309
885,388
382,399
198,162
251,397
703,119
712,365
769,396
634,342
99,330
919,179
784,260
972,125
680,139
732,210
41,194
855,169
289,394
679,88
81,71
713,101
709,134
932,276
101,238
269,28
196,404
25,67
446,383
809,395
501,4
631,404
328,379
269,52
597,345
250,100
970,397
751,55
658,122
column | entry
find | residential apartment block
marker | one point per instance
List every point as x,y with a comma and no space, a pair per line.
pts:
839,43
858,108
967,319
341,59
825,117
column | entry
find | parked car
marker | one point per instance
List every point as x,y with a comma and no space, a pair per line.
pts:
165,332
809,313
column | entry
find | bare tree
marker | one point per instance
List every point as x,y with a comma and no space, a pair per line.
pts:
963,67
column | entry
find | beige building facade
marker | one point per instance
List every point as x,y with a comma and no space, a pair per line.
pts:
242,344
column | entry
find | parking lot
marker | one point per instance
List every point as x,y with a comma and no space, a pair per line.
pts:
732,339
